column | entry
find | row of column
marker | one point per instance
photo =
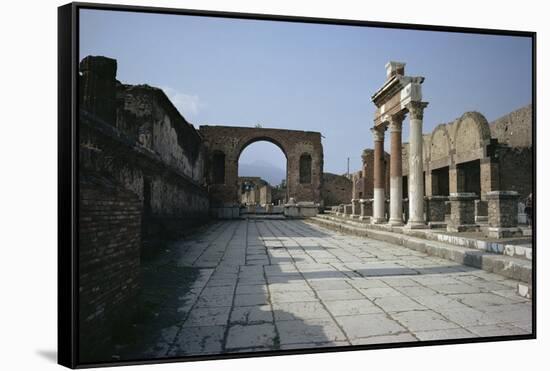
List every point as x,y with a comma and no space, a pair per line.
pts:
416,188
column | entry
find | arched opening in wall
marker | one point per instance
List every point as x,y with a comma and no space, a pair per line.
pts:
440,181
218,168
262,177
469,177
305,168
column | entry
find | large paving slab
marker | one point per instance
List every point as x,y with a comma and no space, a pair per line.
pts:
267,284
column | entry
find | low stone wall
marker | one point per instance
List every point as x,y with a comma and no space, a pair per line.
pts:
301,210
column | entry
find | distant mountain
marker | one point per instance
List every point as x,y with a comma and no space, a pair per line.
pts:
269,172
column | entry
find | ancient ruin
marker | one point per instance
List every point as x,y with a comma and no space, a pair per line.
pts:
303,151
446,204
467,160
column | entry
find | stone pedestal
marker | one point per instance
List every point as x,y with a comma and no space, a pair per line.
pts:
308,209
366,209
481,215
502,214
269,208
435,210
355,208
462,212
291,209
347,210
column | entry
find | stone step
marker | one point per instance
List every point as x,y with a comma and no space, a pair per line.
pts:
520,251
510,267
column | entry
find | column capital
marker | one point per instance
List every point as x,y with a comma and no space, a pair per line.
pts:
378,133
416,110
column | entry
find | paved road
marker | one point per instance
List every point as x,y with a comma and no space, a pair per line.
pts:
278,284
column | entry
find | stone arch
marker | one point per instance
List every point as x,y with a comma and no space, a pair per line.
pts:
254,139
440,144
293,143
472,132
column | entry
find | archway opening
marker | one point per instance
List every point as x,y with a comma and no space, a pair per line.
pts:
262,177
440,181
468,177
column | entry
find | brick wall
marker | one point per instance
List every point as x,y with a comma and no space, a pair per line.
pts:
144,144
109,259
336,189
514,129
516,170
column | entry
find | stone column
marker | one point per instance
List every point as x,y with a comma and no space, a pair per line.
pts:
396,171
416,181
379,196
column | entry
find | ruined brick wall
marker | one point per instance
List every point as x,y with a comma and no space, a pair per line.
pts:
336,189
109,258
231,141
148,147
516,170
514,129
146,115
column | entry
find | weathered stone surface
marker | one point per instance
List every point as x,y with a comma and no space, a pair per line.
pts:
252,314
199,340
366,325
309,330
309,302
249,336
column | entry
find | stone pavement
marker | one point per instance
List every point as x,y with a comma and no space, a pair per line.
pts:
285,284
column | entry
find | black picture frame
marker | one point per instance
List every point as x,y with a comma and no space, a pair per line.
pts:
68,190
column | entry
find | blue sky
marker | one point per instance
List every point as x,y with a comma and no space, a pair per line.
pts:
306,76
